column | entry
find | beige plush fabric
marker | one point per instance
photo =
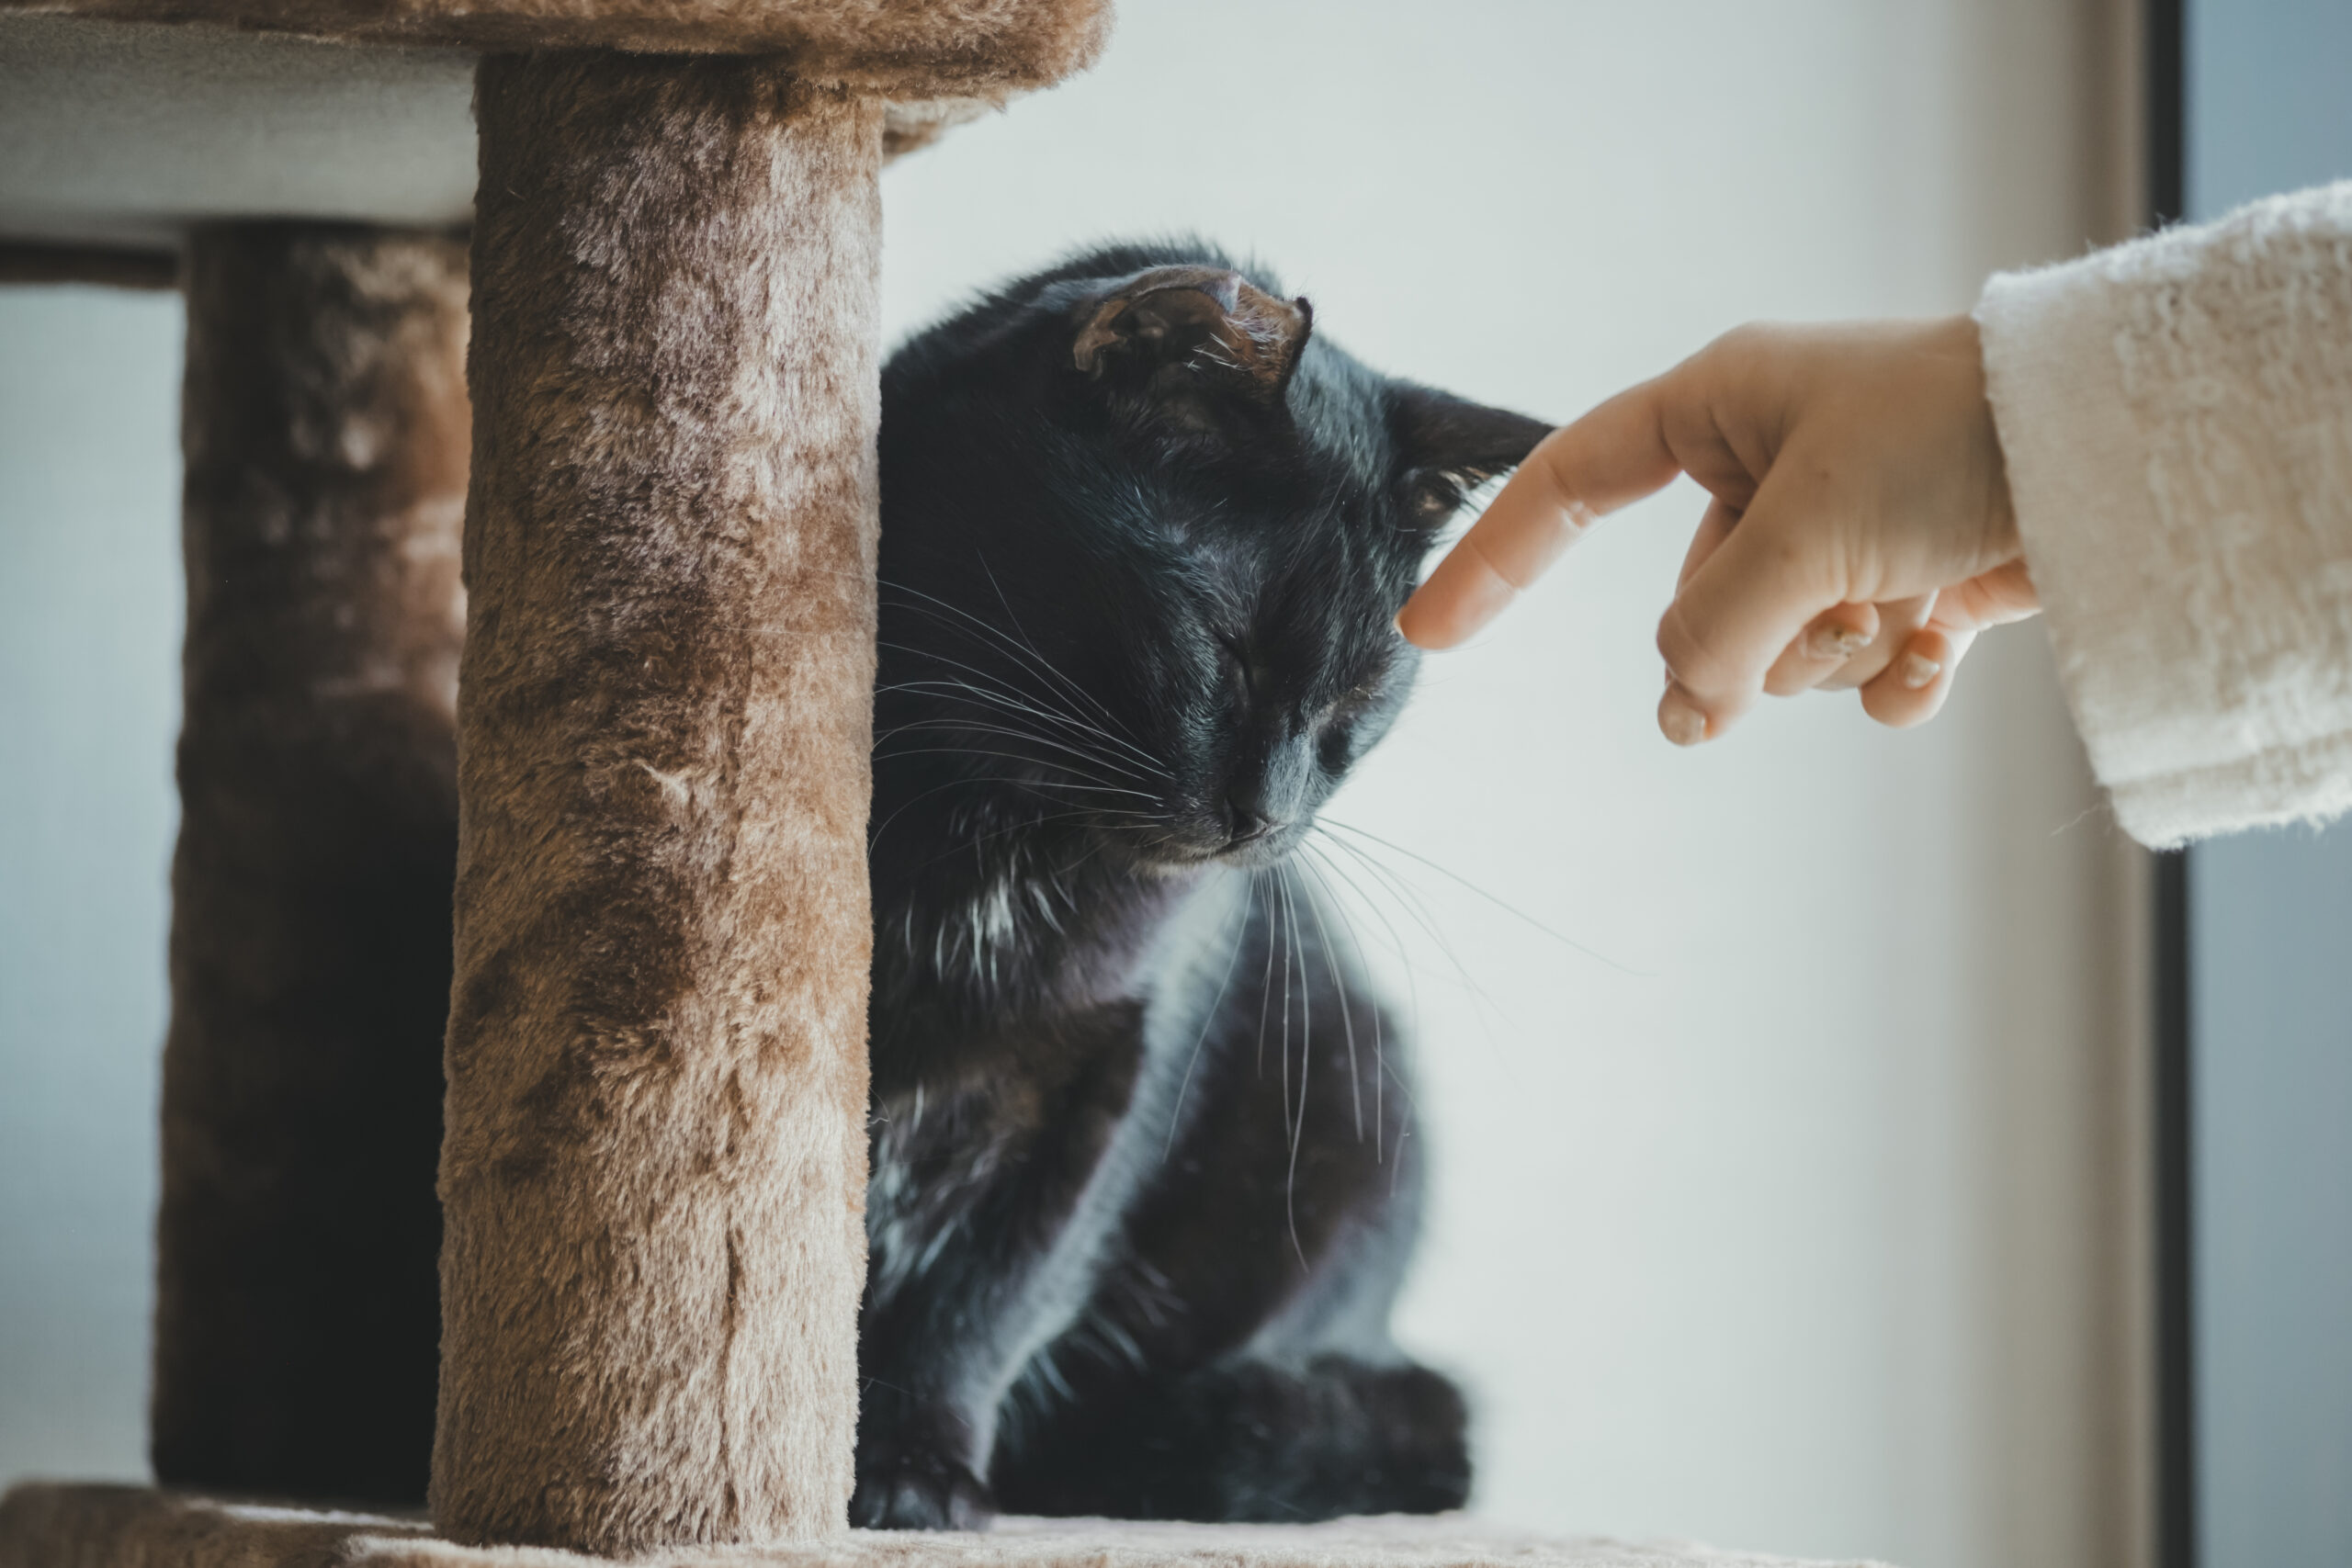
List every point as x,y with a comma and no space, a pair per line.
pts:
654,1169
325,437
104,1527
2176,415
910,50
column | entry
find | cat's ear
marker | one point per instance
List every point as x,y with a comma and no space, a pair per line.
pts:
1447,446
1201,326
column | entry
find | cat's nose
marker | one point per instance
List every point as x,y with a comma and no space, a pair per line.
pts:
1245,824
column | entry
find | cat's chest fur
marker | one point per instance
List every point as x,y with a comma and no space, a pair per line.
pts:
1022,1009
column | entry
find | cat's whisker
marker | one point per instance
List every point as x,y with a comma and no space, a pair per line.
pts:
1409,899
1066,787
1282,1048
1074,786
1208,1022
1486,1009
921,796
1388,1072
875,838
1000,693
1305,1010
1050,792
962,727
933,604
1325,869
1077,781
1004,692
1082,862
1298,1128
1043,665
1455,877
1412,981
1266,982
1347,1019
1014,701
1319,863
1027,823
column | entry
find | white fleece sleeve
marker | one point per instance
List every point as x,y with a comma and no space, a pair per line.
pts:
2177,416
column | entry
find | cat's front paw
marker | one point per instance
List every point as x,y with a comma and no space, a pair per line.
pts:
918,1491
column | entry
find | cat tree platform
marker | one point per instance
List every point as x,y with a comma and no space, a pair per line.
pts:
571,630
87,1527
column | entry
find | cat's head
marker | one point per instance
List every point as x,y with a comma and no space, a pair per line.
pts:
1145,534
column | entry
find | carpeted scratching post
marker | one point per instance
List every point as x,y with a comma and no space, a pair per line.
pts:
326,431
655,1166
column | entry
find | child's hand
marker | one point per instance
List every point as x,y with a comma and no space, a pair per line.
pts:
1860,533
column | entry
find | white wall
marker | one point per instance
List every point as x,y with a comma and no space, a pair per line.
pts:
1779,1228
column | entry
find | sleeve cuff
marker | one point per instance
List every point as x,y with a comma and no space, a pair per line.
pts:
2154,419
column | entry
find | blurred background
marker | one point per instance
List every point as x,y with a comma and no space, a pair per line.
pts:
1789,1100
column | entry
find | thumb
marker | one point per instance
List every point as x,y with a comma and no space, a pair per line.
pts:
1994,598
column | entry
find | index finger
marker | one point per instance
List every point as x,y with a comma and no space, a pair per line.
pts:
1612,457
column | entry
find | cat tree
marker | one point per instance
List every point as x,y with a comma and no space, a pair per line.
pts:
643,722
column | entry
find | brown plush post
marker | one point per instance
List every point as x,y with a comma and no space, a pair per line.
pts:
655,1165
325,427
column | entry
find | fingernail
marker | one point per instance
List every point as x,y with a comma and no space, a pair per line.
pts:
1919,670
1679,721
1835,640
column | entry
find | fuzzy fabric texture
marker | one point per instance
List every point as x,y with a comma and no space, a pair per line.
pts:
653,1177
325,432
908,50
2177,416
122,1527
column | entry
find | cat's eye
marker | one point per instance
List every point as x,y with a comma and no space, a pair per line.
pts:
1237,667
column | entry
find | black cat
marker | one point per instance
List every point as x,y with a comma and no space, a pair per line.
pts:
1142,1192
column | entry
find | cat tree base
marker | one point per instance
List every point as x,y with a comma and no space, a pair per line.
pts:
129,1527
